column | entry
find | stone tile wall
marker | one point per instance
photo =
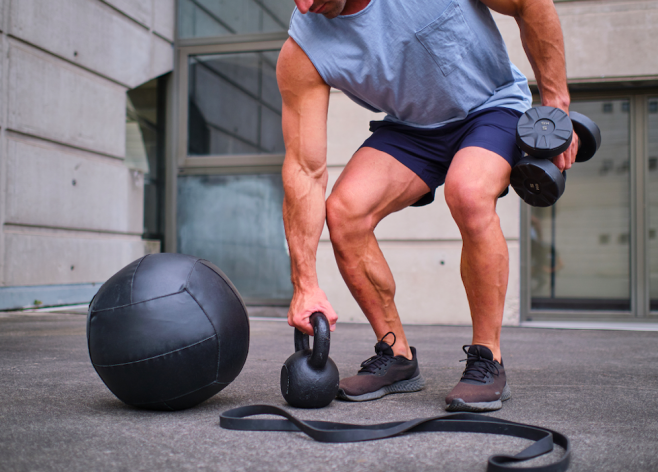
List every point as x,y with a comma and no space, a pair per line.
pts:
71,212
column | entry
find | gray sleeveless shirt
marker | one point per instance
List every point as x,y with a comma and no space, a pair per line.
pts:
424,63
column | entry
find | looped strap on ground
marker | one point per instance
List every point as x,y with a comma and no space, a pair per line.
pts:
330,432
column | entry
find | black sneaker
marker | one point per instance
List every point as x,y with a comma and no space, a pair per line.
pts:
382,374
483,386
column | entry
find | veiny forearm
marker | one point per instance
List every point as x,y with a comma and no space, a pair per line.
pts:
541,35
304,122
303,218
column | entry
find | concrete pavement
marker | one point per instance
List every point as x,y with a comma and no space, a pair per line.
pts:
597,387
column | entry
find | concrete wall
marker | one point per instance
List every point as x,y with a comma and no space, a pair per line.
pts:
422,245
71,211
605,40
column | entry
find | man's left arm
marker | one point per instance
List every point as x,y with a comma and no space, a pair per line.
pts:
541,35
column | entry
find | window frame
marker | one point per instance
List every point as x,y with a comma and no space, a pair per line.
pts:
178,160
639,217
213,164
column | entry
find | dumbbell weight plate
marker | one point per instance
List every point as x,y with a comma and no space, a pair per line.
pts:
537,181
589,136
544,132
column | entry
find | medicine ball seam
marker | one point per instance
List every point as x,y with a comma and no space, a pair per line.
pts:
189,274
214,382
159,355
137,303
233,290
228,283
209,320
132,279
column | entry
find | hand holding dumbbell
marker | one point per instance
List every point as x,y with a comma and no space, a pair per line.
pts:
544,133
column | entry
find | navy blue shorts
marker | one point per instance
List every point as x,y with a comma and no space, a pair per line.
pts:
429,152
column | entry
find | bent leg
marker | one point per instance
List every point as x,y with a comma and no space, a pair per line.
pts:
475,179
372,186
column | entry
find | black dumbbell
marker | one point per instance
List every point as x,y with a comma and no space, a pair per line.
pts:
544,133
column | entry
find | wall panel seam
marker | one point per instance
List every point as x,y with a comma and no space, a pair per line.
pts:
163,37
68,61
11,132
23,228
125,15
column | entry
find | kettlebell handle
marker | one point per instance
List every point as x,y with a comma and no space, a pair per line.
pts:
321,340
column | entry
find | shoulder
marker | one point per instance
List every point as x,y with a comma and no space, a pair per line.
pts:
512,7
295,69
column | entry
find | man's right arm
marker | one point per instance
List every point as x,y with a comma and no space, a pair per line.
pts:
305,104
541,35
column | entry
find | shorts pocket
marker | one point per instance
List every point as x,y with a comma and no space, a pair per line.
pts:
448,38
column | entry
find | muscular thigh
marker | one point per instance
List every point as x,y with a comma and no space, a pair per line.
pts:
477,173
376,184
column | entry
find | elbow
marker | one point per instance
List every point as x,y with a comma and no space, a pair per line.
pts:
307,169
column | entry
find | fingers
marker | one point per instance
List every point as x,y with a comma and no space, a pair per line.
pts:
332,317
560,161
301,322
303,305
565,160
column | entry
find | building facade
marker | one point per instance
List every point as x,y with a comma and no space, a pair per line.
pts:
71,208
211,183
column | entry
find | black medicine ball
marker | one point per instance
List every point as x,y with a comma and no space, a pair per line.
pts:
167,332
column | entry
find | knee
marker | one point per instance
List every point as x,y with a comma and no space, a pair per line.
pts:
473,209
345,219
337,213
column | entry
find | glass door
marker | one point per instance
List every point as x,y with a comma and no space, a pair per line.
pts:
229,149
230,192
580,249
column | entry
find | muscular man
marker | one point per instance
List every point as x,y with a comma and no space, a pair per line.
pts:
440,71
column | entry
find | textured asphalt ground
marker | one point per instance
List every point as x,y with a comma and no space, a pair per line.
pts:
600,388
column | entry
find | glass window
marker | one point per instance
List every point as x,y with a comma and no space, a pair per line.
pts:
145,145
236,222
208,18
580,247
234,105
652,198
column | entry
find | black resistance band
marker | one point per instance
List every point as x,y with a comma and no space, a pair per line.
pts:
326,431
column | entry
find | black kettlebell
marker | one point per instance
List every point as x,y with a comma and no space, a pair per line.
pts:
309,378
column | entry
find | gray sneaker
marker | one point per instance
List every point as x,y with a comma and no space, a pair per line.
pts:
382,374
483,386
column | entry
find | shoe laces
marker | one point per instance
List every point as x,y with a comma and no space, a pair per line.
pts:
380,359
478,368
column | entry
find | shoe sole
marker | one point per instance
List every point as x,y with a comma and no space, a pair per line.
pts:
403,386
460,405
